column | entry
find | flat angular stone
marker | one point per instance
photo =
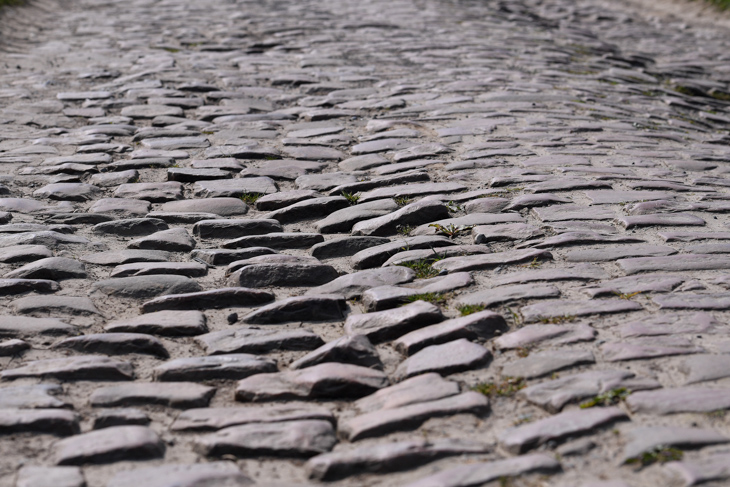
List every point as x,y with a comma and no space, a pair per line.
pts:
50,421
614,197
585,237
24,326
151,111
606,254
719,301
345,246
123,207
489,261
691,399
323,307
421,388
378,255
554,394
554,334
448,358
361,163
327,380
344,219
180,475
502,233
126,257
710,467
586,272
8,348
146,286
114,344
68,192
213,419
133,227
567,307
383,326
32,476
255,340
163,323
283,199
39,396
50,239
182,395
425,211
661,219
354,284
281,240
391,457
231,297
52,268
646,439
645,348
476,326
152,192
671,324
472,219
491,297
189,269
386,297
24,253
409,417
216,257
109,445
702,368
172,240
235,228
82,367
283,274
543,363
291,439
570,423
356,350
120,417
558,213
9,287
234,188
640,283
218,206
231,366
481,473
188,175
407,256
411,190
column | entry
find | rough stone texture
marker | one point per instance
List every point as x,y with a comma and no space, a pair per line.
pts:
109,445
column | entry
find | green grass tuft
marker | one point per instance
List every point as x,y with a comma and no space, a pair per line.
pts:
610,398
468,309
251,198
423,268
658,454
433,298
507,388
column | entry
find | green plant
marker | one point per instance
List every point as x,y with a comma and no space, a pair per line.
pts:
423,268
433,298
468,309
516,317
451,230
614,396
404,229
556,320
351,198
251,198
508,387
658,454
522,352
534,264
402,200
454,207
628,295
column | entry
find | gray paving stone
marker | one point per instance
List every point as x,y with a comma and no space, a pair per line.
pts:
172,240
189,269
277,241
283,274
386,325
24,253
81,367
146,286
229,297
713,467
386,297
109,445
691,399
645,348
231,228
603,254
234,188
552,334
323,307
490,261
543,363
255,340
120,417
230,366
345,246
354,284
377,255
133,227
561,308
356,350
327,380
49,421
182,475
35,476
449,358
183,395
25,326
645,439
213,419
217,206
425,211
671,324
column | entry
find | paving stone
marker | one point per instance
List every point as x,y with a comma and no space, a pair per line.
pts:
114,344
570,423
219,473
68,192
702,368
24,326
500,233
647,438
24,253
124,207
409,417
717,301
213,299
387,458
231,366
603,254
644,348
327,380
290,439
481,473
505,294
566,307
579,272
324,307
477,326
489,261
413,214
213,419
189,269
691,399
51,268
602,197
353,285
448,358
172,240
68,305
356,350
283,274
109,445
712,467
555,394
671,324
386,297
10,287
234,188
133,227
386,325
216,257
255,340
146,286
13,347
152,192
33,476
378,255
235,228
50,421
553,334
219,206
126,257
543,363
345,246
39,396
49,239
120,417
81,367
182,395
567,212
344,219
164,323
277,241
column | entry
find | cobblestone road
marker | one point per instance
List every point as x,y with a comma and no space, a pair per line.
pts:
420,243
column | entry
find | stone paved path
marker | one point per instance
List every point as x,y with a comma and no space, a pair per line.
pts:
363,243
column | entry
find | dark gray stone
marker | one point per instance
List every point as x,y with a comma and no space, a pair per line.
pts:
109,445
255,340
183,395
356,350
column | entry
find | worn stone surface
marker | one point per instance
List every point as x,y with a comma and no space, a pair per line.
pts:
183,475
109,445
387,325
